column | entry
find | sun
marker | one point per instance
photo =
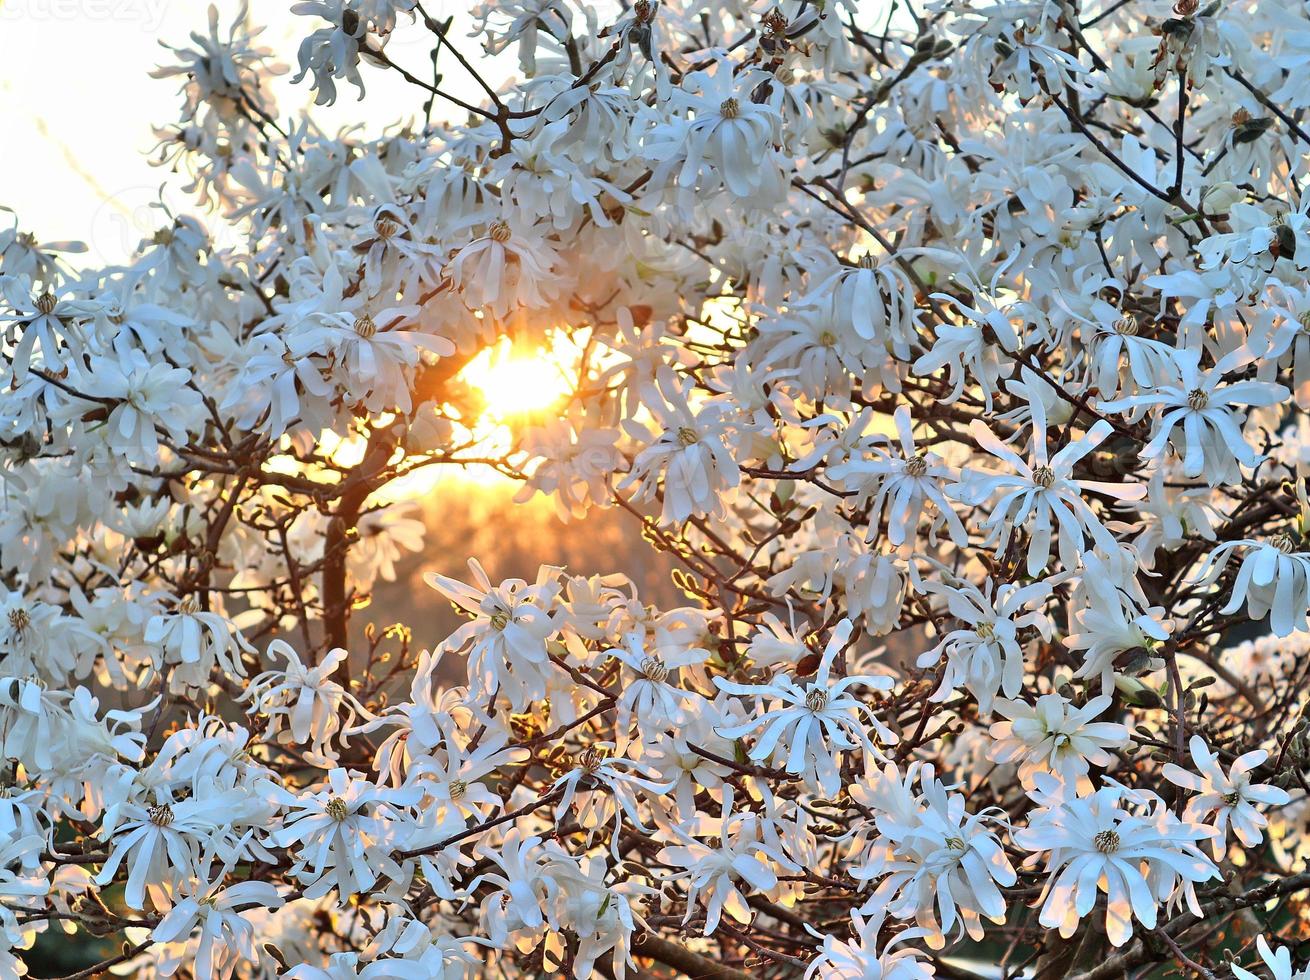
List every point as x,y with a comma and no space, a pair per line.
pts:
515,382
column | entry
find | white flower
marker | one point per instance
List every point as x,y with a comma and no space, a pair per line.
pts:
509,266
1210,442
1055,736
508,634
1231,799
1111,622
699,470
807,721
863,958
525,885
225,937
900,486
573,466
346,832
653,696
314,707
1100,844
331,52
1279,962
984,654
729,131
163,840
717,872
933,860
193,641
18,887
1042,497
605,787
1273,580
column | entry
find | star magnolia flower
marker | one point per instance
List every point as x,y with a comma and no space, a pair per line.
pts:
1230,798
1278,960
653,696
225,936
305,698
505,267
194,641
346,832
730,132
861,957
526,885
715,867
602,784
1273,580
983,653
877,300
511,623
932,859
1044,496
900,487
39,320
455,791
673,756
572,466
1054,736
1097,844
692,455
810,720
1211,441
18,886
1109,623
158,838
145,397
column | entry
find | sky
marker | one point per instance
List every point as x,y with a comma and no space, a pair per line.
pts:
76,94
79,104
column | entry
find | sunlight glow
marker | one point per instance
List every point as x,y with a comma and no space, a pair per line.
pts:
514,382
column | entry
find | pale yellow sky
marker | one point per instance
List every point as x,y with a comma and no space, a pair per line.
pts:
79,104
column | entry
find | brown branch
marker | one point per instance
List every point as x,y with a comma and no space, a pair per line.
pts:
693,965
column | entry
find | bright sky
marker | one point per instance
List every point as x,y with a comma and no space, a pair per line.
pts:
79,105
76,95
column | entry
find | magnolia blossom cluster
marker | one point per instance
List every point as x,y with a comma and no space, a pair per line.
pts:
955,353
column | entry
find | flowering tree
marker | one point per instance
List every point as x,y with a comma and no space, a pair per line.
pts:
957,352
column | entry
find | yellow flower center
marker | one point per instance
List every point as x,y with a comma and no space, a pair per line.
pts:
1107,841
364,326
654,669
160,816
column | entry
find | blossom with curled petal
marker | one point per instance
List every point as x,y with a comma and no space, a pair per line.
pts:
1054,735
314,707
1044,497
1198,418
1273,580
1137,855
1279,962
716,868
1229,799
863,957
808,721
983,652
933,861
